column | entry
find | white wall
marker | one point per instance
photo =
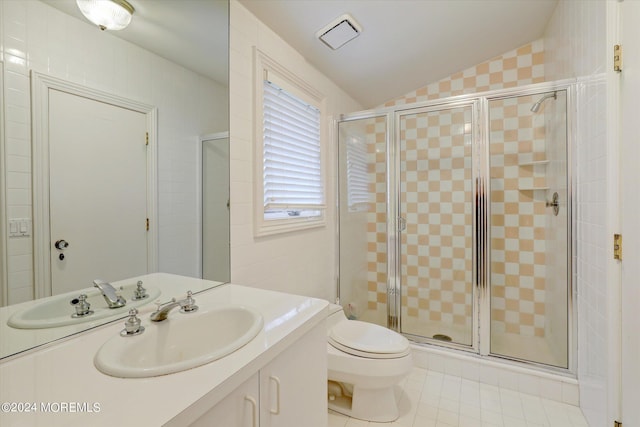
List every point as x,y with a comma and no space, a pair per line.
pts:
35,36
575,47
300,262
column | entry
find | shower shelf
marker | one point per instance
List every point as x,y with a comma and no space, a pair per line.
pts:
535,163
533,188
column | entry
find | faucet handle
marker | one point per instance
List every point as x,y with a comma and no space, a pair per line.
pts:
140,292
188,305
83,308
132,326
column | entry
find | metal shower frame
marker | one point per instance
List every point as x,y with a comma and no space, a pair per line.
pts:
479,103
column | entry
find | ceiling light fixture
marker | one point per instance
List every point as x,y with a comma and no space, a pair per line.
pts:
107,14
340,31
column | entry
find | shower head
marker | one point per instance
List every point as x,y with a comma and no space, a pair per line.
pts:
537,105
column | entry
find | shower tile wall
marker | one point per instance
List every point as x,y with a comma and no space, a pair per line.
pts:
377,216
517,311
518,217
436,201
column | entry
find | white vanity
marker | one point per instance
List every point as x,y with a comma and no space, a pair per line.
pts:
277,379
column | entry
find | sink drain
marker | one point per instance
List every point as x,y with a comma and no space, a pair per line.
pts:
442,337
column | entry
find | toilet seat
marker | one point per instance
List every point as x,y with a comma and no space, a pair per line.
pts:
368,340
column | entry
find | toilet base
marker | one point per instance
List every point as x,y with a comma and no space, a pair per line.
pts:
378,405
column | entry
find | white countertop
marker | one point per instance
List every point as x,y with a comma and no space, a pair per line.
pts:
64,373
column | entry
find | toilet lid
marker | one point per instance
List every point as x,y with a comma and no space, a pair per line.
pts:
367,340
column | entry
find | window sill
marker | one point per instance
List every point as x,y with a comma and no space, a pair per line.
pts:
275,227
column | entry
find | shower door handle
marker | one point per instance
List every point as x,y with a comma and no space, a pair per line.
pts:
402,224
554,203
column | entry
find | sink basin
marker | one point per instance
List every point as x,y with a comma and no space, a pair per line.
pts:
181,342
53,312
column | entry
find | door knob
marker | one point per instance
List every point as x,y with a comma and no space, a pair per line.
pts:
61,244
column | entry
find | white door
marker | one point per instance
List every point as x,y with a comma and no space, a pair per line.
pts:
630,208
293,386
215,209
97,193
238,409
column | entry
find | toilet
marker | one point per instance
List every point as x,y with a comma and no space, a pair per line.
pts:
365,363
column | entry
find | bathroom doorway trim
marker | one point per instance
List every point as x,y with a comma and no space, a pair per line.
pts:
41,84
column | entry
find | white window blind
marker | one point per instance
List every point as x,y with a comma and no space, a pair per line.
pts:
357,175
291,152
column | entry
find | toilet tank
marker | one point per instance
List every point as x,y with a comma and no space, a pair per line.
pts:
336,314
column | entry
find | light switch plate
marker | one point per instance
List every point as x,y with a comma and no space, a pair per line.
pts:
19,227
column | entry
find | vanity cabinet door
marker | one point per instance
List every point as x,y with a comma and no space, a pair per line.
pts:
293,387
238,409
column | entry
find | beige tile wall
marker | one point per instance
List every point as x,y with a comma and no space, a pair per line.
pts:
518,217
377,215
432,293
515,68
436,201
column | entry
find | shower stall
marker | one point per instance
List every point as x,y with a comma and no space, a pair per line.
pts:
455,222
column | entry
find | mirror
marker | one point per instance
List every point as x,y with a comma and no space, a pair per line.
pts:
174,57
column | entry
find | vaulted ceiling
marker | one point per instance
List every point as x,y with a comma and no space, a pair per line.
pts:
405,44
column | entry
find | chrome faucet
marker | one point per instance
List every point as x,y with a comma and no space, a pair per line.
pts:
187,305
109,293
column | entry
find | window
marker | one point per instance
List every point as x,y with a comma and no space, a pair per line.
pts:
358,194
291,155
289,159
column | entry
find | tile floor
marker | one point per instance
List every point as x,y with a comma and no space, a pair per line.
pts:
434,399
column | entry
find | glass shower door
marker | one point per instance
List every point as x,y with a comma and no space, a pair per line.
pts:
363,219
436,210
529,227
455,223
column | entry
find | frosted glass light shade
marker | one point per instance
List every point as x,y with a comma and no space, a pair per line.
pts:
107,14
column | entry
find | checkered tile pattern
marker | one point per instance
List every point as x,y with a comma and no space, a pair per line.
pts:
377,215
436,201
518,217
515,68
436,247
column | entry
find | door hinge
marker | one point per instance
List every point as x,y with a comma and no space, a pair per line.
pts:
617,246
617,58
617,424
147,224
146,138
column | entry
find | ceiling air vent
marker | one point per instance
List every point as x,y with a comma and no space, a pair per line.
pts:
339,31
